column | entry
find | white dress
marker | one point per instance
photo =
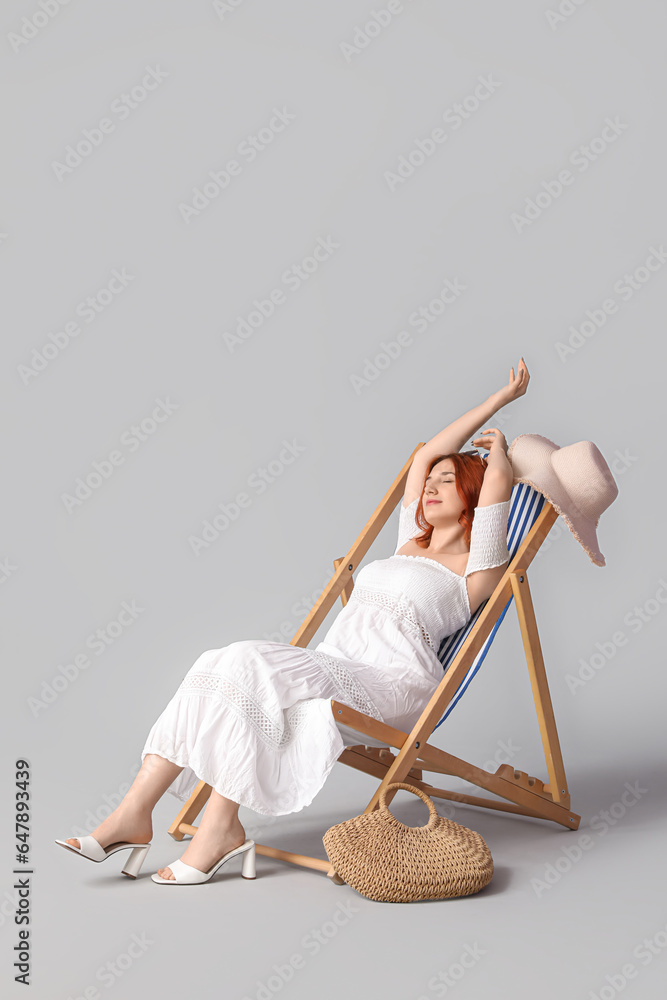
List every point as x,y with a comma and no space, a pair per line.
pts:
254,719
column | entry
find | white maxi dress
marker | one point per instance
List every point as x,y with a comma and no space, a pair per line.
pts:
254,719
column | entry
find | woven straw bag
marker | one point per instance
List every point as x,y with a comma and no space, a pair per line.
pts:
386,860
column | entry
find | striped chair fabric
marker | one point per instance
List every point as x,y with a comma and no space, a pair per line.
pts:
525,504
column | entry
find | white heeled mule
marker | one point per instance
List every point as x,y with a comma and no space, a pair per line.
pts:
187,875
92,850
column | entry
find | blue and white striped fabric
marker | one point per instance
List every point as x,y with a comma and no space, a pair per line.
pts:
525,505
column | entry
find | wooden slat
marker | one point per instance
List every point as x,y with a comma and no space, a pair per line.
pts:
190,810
349,564
532,799
353,755
347,589
274,852
540,686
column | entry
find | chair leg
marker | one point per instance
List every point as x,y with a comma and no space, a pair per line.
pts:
540,687
190,810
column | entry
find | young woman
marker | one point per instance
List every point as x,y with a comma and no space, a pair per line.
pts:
253,719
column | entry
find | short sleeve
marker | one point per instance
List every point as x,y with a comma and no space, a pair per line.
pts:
488,538
407,526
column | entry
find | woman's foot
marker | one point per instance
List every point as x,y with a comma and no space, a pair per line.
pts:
123,824
209,845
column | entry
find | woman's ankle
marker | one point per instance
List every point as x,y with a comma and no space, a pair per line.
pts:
128,822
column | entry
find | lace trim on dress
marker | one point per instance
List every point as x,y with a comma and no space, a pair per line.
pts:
352,693
279,733
398,608
275,734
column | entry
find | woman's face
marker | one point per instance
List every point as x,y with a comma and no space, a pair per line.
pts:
440,499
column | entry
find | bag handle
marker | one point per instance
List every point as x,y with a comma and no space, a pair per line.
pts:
434,817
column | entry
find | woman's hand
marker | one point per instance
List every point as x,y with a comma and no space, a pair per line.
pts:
493,440
516,386
455,435
498,475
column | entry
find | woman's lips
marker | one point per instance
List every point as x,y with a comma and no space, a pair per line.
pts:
431,501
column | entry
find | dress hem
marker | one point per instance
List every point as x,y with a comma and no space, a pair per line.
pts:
228,791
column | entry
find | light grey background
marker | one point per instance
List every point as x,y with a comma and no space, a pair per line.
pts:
67,573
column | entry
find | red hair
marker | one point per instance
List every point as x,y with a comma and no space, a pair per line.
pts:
469,474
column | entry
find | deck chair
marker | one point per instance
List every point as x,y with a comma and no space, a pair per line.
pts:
369,742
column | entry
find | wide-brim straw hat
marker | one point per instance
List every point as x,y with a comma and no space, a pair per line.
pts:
575,479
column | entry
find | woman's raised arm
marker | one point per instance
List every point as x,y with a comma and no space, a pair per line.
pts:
498,476
455,435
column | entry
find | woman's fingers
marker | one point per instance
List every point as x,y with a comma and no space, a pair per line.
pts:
485,435
489,437
519,382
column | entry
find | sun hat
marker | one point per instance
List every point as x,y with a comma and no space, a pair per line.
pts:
575,479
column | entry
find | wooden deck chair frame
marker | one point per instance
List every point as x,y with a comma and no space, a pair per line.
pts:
517,791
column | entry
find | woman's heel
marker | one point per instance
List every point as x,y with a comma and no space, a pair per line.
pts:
248,868
135,861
